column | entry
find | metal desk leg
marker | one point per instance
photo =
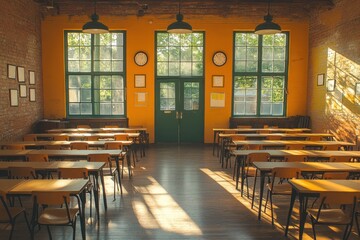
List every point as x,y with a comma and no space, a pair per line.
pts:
82,201
117,159
262,184
103,188
302,215
292,201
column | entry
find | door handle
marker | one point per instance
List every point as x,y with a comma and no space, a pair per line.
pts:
180,115
177,115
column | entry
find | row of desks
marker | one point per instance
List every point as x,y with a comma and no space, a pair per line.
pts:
302,187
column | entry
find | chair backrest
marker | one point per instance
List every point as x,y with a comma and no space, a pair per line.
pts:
336,198
92,138
14,147
273,137
83,126
111,126
314,138
340,158
258,157
73,173
285,172
295,158
79,145
333,147
100,157
30,137
238,138
113,145
61,138
243,126
121,137
252,147
335,175
37,157
51,198
21,172
294,147
53,147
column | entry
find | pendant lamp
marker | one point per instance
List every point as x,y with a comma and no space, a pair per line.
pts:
268,27
94,26
179,26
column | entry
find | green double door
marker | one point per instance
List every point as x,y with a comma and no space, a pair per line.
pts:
179,111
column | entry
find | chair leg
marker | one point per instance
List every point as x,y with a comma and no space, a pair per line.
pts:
272,209
48,229
357,223
266,202
253,194
74,228
313,229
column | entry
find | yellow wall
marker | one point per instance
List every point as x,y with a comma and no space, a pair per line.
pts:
140,36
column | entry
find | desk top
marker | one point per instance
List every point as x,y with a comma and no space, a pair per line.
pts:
72,186
54,165
289,142
321,185
94,130
307,166
58,153
310,153
85,134
259,130
264,135
7,184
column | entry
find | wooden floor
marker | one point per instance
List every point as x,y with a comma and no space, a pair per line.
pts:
180,192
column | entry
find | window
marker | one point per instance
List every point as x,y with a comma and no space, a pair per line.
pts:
95,74
179,54
260,74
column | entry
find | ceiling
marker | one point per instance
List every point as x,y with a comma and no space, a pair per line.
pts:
194,7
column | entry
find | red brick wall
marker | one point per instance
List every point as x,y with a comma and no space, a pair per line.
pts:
335,52
20,45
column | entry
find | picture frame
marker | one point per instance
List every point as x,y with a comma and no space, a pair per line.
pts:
320,79
357,89
330,86
11,71
21,74
218,81
32,94
140,80
14,99
217,99
31,77
22,90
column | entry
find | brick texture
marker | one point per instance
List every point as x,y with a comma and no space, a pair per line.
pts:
20,45
335,51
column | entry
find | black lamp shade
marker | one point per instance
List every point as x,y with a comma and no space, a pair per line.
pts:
179,26
268,27
94,26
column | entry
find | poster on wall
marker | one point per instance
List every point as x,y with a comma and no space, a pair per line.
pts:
217,100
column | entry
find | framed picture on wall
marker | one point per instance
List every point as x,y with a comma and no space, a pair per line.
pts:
14,100
32,94
31,77
22,88
357,89
320,79
21,74
140,80
218,80
330,86
11,71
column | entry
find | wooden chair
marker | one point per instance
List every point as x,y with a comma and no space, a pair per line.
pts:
273,137
121,137
83,126
30,137
53,147
111,126
281,175
14,147
21,173
8,214
92,138
115,146
334,147
314,138
108,170
340,159
294,147
53,215
295,158
243,126
78,173
39,158
335,175
331,212
251,171
79,146
61,138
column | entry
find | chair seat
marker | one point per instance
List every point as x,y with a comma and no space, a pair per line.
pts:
283,189
250,171
332,216
57,216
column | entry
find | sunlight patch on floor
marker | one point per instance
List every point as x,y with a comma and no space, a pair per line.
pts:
161,210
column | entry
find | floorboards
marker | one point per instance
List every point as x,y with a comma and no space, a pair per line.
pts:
180,192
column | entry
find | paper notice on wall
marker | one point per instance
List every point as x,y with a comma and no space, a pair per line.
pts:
217,100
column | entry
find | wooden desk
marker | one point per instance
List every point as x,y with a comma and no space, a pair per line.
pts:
7,184
95,130
308,188
217,131
81,136
75,187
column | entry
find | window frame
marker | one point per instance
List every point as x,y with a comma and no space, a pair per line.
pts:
259,74
93,75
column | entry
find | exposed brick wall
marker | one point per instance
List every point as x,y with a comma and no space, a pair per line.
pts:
20,45
335,51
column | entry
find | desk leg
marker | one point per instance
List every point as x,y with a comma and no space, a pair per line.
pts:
237,173
82,200
302,214
103,189
214,143
119,173
292,201
262,184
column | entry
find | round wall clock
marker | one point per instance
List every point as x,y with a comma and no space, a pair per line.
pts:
140,58
219,58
